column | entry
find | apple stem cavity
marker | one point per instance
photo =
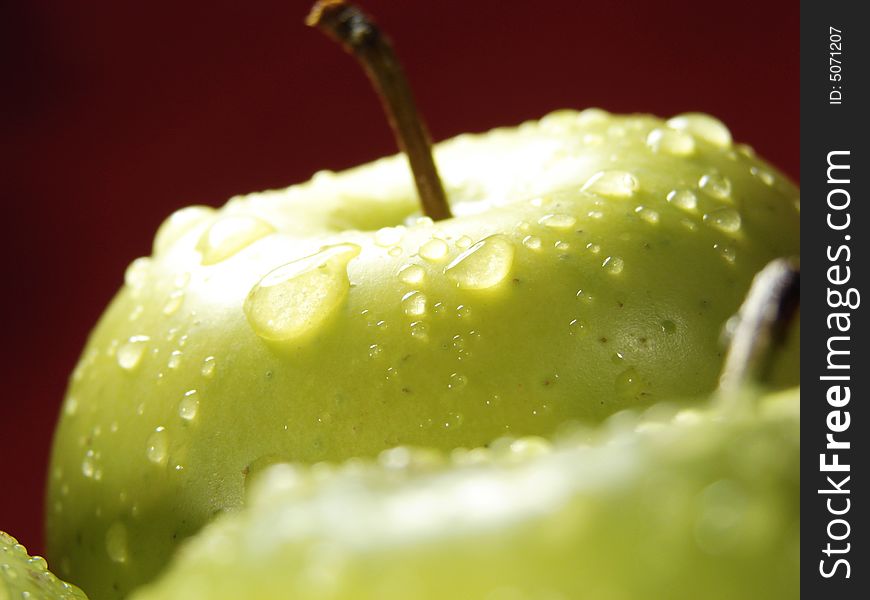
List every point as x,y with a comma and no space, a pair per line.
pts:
761,326
360,36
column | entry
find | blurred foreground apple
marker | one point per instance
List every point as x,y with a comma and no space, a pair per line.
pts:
586,264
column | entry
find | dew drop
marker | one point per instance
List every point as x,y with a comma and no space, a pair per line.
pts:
208,367
389,236
375,350
726,251
129,354
174,360
178,224
189,405
457,381
532,242
89,466
71,406
486,264
764,175
116,542
420,331
558,221
136,312
395,251
593,248
613,264
724,219
577,328
647,214
412,274
614,184
300,296
684,199
464,242
562,245
173,303
434,250
628,382
229,235
702,126
668,326
414,304
716,185
671,141
157,446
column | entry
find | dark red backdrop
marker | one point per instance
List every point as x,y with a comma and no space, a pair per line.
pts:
116,113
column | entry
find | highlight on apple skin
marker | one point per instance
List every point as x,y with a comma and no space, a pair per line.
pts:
590,265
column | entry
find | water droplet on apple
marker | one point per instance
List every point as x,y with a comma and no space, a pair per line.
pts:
71,406
529,447
389,236
375,350
593,248
613,264
298,297
434,250
484,265
414,304
724,219
173,303
764,175
647,214
532,242
420,331
136,312
412,274
464,242
229,235
208,367
671,141
613,184
704,127
116,542
628,382
89,466
726,251
174,360
558,221
463,311
157,446
395,251
562,245
669,326
457,381
684,199
716,185
577,327
137,272
189,405
129,354
178,224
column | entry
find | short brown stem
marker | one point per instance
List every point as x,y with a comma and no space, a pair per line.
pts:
762,323
359,35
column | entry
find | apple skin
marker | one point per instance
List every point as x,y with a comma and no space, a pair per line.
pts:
24,576
674,505
585,303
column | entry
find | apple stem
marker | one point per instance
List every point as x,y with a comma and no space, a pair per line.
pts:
360,36
762,323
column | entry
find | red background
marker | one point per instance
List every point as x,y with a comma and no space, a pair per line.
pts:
116,113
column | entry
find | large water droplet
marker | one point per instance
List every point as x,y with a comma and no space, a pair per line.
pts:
724,219
189,405
628,382
670,141
684,199
434,250
389,236
414,304
613,264
157,446
703,126
116,542
614,184
229,235
558,221
464,242
129,354
179,223
299,297
716,185
412,274
485,264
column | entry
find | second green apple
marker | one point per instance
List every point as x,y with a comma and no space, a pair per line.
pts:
590,266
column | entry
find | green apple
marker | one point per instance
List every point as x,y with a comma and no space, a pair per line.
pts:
589,267
657,506
23,576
